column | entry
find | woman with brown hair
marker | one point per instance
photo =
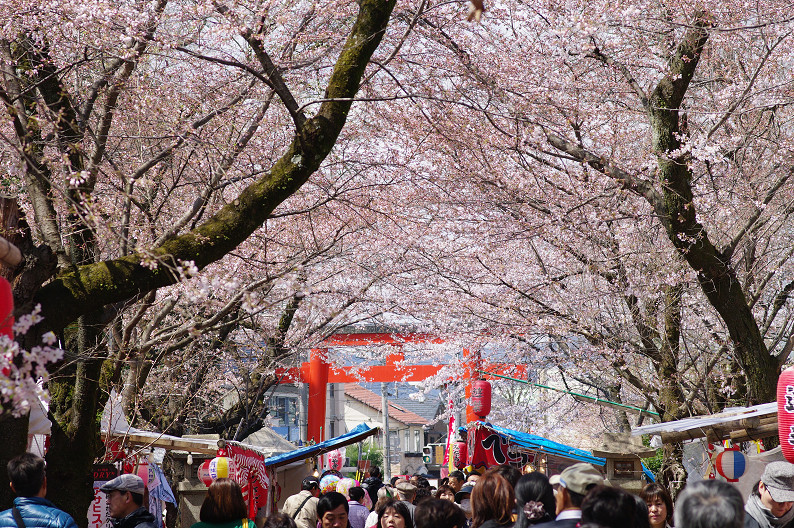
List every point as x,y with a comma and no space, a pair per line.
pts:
224,507
660,505
492,502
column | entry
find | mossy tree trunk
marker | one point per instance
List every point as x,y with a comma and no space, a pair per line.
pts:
671,197
83,291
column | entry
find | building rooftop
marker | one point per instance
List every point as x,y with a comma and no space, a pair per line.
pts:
396,410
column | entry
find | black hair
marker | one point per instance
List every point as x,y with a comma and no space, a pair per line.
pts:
534,487
356,493
137,498
310,484
331,501
458,475
641,519
609,506
438,513
399,507
510,473
374,471
26,472
279,520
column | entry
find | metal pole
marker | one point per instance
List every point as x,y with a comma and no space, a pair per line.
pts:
387,436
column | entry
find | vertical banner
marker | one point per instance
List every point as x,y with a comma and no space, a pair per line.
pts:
447,466
252,476
98,510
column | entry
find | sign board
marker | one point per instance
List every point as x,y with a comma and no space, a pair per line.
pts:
98,510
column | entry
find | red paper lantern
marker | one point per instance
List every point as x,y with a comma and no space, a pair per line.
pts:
481,398
785,412
6,309
459,454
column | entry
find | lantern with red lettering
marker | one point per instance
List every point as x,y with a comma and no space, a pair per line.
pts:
6,309
336,459
481,398
785,412
460,454
731,464
218,467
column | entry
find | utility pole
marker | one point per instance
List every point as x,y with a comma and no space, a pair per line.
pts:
387,455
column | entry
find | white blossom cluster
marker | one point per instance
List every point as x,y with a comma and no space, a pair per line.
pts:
23,372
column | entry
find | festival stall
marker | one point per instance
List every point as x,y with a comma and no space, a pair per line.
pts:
306,457
488,445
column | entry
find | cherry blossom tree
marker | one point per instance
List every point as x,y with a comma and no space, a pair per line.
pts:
135,132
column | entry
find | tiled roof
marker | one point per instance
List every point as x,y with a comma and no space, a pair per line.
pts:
370,399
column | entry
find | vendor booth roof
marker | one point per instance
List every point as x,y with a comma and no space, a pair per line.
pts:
736,423
357,434
115,425
536,443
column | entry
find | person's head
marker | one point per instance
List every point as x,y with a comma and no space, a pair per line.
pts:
438,513
374,472
446,493
332,510
492,498
394,514
660,505
224,502
776,488
510,473
124,495
575,482
609,506
312,485
279,520
406,490
27,475
456,480
394,480
356,493
535,500
709,504
641,519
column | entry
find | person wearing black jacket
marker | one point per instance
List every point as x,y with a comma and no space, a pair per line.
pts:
125,502
373,483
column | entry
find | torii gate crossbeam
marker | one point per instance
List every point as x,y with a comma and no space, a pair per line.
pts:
317,372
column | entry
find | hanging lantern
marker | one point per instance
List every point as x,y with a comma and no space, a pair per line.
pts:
6,309
481,398
731,464
336,459
459,454
785,412
218,467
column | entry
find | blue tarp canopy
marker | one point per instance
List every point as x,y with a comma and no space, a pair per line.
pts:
538,443
357,434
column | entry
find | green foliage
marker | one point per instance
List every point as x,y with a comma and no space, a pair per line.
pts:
654,463
369,451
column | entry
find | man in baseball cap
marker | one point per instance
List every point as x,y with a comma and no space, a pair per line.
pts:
575,481
770,503
125,502
302,506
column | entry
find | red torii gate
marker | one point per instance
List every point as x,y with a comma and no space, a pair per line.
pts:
318,373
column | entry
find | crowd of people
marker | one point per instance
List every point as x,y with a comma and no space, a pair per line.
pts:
500,497
579,496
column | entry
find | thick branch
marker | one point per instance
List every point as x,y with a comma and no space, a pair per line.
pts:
92,286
